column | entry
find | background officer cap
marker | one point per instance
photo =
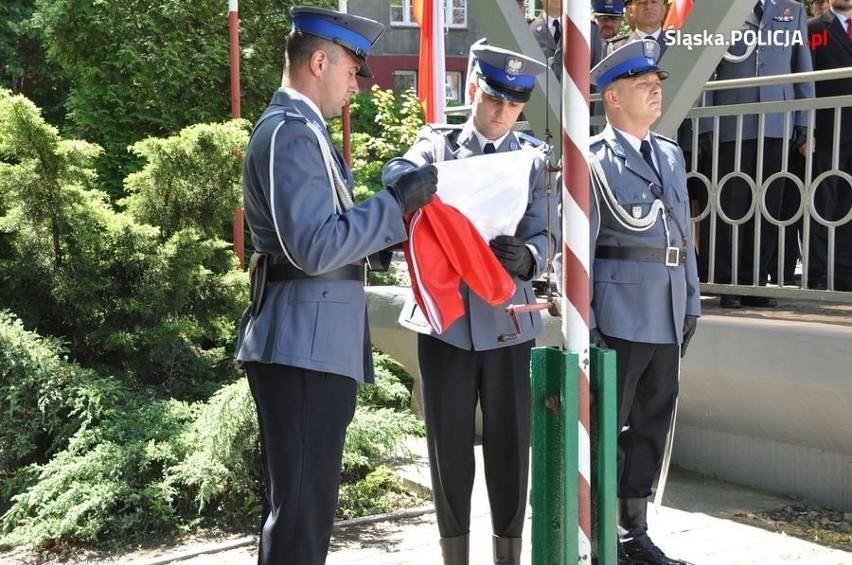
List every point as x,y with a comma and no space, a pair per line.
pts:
634,59
354,33
505,74
608,8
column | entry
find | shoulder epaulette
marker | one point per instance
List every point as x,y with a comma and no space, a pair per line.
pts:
444,128
449,131
527,139
664,138
295,115
616,38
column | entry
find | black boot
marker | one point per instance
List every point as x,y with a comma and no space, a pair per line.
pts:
623,558
507,551
456,551
640,550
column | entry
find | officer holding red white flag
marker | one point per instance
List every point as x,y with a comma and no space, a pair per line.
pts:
481,358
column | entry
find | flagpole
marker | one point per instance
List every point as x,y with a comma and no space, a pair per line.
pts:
345,118
234,36
576,56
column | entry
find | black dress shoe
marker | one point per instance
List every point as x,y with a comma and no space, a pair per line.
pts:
729,301
759,301
623,558
642,551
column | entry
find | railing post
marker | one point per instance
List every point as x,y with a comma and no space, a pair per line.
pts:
604,441
553,495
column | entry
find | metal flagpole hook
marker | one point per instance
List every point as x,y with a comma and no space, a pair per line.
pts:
513,310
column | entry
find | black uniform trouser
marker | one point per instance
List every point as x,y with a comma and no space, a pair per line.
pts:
453,380
647,390
736,200
303,416
832,200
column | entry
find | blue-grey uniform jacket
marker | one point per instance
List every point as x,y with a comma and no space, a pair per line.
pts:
552,48
482,324
777,54
288,199
637,300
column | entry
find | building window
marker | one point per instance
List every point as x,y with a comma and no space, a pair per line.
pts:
403,80
454,83
455,13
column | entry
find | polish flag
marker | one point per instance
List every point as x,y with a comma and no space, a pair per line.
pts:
677,14
431,74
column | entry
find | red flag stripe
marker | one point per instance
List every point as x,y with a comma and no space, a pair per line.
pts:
431,69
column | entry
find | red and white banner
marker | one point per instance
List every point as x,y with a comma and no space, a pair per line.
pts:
677,14
431,75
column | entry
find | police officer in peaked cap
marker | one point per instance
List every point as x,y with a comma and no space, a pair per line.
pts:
608,16
645,299
480,357
304,341
505,74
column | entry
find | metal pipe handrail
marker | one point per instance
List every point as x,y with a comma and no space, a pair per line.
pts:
830,74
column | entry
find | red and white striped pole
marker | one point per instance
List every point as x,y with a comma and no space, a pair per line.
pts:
576,58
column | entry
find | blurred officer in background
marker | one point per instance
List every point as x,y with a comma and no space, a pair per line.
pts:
771,21
608,16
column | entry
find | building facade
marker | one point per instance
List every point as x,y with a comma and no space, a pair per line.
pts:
394,59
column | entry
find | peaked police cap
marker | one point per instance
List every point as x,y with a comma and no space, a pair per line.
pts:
505,74
354,33
608,8
634,59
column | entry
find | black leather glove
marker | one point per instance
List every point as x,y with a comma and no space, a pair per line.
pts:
689,323
800,137
415,188
705,144
597,338
513,254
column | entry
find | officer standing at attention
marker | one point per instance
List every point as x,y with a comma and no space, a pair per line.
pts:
304,342
645,300
479,358
647,17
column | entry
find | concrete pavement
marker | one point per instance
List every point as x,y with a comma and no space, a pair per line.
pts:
697,522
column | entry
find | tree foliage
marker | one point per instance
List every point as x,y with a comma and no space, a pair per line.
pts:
129,299
23,66
190,180
128,464
124,415
142,68
45,398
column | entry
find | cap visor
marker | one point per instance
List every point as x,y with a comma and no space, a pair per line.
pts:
363,69
660,73
495,92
